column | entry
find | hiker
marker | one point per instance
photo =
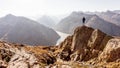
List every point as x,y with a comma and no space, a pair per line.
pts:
83,20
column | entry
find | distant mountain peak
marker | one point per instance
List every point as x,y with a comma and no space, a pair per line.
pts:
109,13
77,13
10,16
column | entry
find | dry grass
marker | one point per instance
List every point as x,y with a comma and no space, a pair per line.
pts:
36,49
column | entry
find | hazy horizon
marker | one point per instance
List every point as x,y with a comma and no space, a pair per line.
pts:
54,7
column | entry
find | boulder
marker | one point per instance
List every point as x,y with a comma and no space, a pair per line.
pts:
112,51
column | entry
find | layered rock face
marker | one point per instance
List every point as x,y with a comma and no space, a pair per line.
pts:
86,48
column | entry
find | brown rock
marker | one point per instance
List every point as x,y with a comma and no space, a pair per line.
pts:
66,44
44,54
87,43
23,59
79,55
112,51
96,38
91,54
64,49
81,37
104,42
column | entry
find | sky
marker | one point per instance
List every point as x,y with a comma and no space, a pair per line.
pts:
54,7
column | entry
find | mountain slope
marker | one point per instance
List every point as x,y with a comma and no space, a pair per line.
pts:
107,27
26,31
95,20
111,16
68,24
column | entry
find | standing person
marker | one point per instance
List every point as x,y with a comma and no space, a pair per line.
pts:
83,20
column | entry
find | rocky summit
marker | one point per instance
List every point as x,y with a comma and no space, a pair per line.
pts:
86,48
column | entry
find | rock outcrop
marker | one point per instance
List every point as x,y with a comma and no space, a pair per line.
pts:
24,56
88,44
23,59
85,44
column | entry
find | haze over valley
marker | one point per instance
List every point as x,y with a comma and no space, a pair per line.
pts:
59,34
18,29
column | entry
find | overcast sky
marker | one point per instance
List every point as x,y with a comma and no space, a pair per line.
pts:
54,7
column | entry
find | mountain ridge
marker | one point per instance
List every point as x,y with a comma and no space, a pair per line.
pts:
21,29
68,24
